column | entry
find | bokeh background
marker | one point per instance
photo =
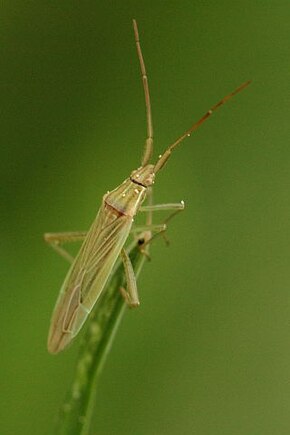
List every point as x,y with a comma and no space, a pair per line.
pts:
208,352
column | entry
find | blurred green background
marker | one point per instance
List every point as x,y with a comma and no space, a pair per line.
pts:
208,352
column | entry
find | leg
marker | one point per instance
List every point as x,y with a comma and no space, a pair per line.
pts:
145,234
150,228
163,207
149,141
130,295
175,207
56,239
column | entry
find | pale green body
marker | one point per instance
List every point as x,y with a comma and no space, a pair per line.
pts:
104,242
92,266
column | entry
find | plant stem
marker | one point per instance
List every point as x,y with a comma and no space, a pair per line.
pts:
77,410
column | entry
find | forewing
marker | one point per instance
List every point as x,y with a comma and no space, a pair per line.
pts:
88,275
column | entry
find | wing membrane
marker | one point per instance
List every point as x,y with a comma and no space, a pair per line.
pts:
88,275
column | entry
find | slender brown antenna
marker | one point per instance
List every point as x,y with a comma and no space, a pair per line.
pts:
148,149
165,156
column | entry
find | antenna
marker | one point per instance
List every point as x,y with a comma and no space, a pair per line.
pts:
149,141
165,156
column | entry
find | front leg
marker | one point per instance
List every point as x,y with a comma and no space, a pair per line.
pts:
174,207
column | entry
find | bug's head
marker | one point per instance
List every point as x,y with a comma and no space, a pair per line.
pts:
143,176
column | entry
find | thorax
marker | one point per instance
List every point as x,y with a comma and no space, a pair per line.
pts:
126,198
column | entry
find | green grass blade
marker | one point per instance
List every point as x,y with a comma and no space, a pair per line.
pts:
77,410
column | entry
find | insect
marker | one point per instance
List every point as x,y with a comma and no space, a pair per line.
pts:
104,243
